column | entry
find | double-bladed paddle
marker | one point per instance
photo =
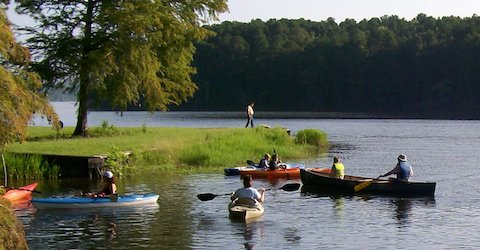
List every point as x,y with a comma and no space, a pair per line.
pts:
287,187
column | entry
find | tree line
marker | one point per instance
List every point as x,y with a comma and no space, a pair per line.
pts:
425,67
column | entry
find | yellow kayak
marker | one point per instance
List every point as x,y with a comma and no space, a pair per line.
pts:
245,209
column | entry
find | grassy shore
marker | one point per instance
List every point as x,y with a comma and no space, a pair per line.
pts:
175,150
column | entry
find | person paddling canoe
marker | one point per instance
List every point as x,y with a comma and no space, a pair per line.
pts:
403,169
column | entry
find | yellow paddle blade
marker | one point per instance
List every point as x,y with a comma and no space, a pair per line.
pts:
362,186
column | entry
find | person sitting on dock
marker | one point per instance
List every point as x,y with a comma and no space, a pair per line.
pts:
264,161
248,195
403,169
338,169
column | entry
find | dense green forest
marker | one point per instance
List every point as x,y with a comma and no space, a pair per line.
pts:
426,67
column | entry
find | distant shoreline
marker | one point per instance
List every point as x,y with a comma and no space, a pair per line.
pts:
214,114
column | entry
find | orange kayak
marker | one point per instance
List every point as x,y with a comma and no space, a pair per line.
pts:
280,173
20,193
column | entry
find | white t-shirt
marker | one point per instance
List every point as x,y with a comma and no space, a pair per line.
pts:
249,192
250,111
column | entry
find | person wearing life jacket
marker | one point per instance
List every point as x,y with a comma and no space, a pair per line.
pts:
338,169
403,169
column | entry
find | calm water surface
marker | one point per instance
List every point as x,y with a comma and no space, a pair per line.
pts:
442,151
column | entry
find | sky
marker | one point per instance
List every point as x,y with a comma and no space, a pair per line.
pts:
319,10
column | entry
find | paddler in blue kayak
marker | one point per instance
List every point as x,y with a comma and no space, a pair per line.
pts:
109,187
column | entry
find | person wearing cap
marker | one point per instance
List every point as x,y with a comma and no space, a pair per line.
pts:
338,169
264,161
109,187
403,169
248,193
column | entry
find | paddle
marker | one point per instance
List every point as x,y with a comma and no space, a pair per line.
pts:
251,163
287,187
364,184
34,191
285,166
112,197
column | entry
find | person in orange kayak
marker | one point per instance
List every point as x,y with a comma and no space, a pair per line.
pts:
248,192
338,169
264,161
275,162
403,169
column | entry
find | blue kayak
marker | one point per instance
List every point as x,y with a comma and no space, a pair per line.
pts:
87,202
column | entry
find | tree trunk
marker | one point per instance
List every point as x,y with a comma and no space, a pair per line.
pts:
81,128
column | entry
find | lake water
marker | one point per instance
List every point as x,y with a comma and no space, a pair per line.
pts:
442,151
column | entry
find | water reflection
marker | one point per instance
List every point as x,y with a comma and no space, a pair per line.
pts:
252,231
85,229
403,207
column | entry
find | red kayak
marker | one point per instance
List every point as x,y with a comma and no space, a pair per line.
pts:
20,193
280,173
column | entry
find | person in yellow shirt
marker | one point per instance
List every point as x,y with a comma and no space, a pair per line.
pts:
338,169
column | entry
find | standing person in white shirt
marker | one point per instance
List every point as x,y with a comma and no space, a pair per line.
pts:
250,113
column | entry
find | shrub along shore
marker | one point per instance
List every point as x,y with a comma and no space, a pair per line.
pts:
12,235
169,150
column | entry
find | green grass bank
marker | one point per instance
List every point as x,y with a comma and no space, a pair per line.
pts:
176,150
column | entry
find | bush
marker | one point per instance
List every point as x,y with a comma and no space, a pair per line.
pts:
12,234
313,137
119,162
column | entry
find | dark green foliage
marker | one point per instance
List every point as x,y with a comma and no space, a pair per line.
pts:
423,67
119,162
